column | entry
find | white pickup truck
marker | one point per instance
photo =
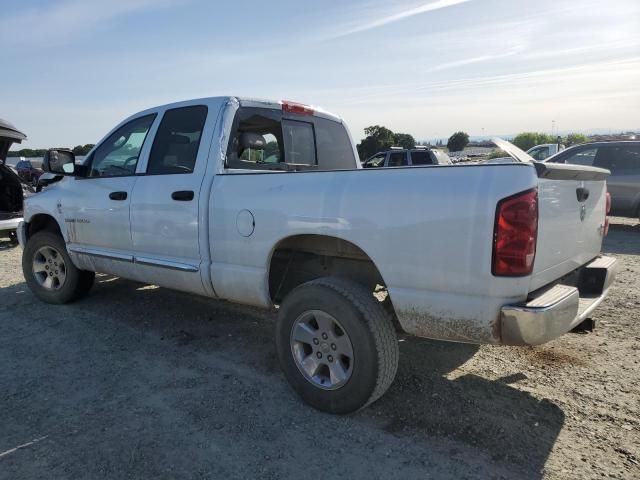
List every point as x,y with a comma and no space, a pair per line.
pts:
264,203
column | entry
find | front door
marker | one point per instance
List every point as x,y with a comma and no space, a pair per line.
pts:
97,215
165,202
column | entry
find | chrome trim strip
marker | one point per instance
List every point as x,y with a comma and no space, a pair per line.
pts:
156,262
101,254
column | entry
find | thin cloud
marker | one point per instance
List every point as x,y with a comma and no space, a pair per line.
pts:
59,23
429,7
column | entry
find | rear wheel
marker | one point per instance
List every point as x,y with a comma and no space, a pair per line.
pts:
49,271
336,344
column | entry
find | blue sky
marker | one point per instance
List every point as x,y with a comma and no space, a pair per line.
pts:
71,69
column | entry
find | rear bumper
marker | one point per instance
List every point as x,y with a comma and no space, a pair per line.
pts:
557,309
10,225
22,234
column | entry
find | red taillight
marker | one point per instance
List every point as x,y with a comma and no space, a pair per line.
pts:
294,107
515,235
605,229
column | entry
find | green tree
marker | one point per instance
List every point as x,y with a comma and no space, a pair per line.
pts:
574,139
458,141
377,139
404,140
497,153
526,140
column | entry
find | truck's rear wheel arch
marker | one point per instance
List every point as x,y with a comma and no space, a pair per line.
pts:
301,258
42,222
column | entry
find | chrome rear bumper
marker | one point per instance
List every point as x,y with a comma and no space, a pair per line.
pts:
558,309
10,224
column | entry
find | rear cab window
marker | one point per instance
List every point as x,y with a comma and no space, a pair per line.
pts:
268,139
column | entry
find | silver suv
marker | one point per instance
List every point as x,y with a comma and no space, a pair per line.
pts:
623,160
400,157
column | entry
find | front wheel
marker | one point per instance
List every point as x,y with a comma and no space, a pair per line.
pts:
336,344
49,271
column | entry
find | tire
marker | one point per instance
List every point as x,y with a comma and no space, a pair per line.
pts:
72,283
369,365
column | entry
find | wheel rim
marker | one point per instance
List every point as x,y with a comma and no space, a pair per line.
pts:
49,268
322,350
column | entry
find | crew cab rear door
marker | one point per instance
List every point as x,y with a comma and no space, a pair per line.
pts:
165,205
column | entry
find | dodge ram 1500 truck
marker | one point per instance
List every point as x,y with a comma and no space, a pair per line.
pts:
264,203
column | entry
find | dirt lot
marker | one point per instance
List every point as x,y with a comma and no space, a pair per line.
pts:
141,382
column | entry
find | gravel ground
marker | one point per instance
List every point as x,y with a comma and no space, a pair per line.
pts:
141,382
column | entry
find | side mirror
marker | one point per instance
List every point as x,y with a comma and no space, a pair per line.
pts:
59,161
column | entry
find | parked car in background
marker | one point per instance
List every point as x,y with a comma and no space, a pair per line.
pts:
544,151
28,172
623,160
11,189
401,157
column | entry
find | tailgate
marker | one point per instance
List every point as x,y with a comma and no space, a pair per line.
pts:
572,211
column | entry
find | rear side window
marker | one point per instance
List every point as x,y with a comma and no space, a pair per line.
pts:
421,158
175,147
375,161
397,159
299,142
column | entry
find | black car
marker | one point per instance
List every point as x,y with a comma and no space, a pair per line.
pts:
623,160
11,191
404,157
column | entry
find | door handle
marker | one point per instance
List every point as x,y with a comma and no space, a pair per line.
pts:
118,195
182,195
582,194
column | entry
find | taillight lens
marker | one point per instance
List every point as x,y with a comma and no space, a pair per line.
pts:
605,230
515,235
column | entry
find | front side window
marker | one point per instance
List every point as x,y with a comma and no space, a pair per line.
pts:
176,145
118,155
375,161
421,158
539,153
397,159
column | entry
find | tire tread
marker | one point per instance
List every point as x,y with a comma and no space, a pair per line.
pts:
380,324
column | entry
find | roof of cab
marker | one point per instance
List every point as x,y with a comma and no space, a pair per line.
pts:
252,102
